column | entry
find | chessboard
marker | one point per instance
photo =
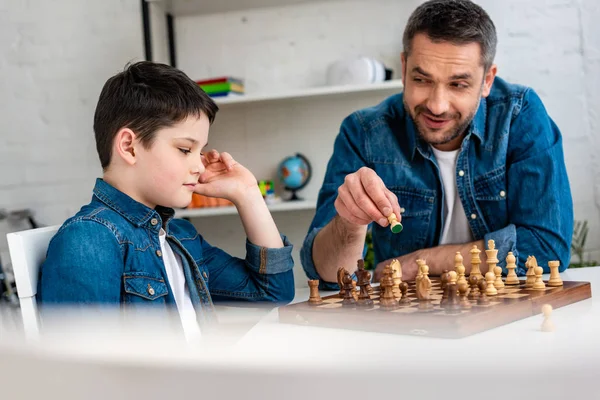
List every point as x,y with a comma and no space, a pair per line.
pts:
512,303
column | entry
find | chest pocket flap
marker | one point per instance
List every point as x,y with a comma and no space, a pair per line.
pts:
144,286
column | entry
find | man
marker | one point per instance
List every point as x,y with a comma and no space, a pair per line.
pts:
461,157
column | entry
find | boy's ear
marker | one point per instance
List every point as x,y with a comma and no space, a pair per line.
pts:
124,145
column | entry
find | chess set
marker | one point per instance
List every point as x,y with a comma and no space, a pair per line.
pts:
451,306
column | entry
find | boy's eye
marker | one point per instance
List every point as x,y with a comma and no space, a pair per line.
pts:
185,151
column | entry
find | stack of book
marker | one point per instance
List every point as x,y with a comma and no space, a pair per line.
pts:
222,86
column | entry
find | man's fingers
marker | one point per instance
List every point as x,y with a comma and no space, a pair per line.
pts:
395,206
377,192
344,212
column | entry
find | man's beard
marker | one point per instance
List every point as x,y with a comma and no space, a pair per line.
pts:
449,136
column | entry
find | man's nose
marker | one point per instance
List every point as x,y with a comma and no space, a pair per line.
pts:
437,102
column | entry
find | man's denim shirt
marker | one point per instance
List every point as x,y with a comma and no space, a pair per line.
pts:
510,174
109,254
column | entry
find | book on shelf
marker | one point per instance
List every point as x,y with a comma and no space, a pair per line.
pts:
221,79
223,87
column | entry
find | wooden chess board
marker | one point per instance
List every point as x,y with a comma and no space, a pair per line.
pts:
511,304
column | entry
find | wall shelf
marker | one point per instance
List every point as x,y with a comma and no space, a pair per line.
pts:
231,210
190,7
385,88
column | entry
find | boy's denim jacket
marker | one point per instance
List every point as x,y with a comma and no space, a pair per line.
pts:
109,254
510,174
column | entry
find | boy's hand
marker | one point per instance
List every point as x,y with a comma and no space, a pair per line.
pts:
224,177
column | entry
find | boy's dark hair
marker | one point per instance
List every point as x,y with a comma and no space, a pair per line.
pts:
455,21
146,97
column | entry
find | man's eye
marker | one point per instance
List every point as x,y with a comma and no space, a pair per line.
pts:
185,151
460,85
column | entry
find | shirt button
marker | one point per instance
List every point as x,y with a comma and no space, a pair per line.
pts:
154,221
159,253
150,290
204,274
502,193
461,173
402,209
473,216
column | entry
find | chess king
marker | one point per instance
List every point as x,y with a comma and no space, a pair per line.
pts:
461,157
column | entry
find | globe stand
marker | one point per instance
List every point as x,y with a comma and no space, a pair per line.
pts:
294,195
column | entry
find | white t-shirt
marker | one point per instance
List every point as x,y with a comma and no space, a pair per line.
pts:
456,226
174,268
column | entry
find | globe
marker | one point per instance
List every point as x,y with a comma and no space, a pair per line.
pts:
295,173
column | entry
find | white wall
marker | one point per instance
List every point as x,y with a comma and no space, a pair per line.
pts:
54,58
551,45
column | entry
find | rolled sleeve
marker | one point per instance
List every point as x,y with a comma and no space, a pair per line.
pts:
505,241
270,261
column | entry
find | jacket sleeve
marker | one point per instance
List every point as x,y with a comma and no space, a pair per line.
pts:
266,274
541,225
346,159
83,265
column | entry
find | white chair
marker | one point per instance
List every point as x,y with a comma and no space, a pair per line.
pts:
27,253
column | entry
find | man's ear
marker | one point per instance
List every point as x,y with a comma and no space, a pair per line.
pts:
488,80
404,61
125,145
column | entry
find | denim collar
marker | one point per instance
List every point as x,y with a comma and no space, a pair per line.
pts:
415,142
130,209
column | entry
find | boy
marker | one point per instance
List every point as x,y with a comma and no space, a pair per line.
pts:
124,247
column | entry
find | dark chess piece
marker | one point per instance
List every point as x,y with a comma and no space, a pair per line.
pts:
453,303
364,299
474,293
314,298
349,300
483,299
463,287
444,279
387,301
405,300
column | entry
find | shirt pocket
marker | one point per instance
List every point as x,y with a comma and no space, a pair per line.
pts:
491,197
416,206
140,288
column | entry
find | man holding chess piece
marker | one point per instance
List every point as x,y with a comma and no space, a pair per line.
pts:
448,158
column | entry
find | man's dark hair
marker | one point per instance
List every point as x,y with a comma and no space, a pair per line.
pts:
455,21
146,97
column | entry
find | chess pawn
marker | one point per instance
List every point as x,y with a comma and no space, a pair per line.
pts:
314,299
483,299
395,226
547,324
539,283
453,304
444,279
462,290
474,293
405,300
554,280
387,301
475,262
349,300
490,277
511,266
498,284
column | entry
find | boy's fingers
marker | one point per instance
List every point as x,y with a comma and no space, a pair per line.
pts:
228,160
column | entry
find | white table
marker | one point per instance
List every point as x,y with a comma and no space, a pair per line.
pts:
279,361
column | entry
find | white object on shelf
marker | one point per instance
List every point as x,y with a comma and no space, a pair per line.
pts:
393,86
231,210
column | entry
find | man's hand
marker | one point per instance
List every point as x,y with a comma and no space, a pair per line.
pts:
408,263
363,198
